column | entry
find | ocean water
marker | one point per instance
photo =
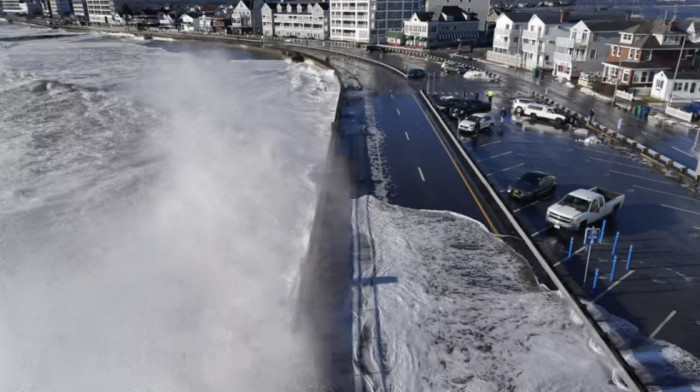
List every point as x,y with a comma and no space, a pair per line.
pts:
155,206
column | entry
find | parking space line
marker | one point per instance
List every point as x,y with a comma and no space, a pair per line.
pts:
617,163
535,234
490,143
506,169
680,209
392,96
613,285
525,206
665,193
683,152
407,138
397,111
663,323
577,251
696,228
636,176
497,155
420,172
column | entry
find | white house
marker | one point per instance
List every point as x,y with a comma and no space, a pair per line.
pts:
186,23
298,19
202,24
507,38
441,26
692,27
369,20
165,21
246,17
539,40
685,88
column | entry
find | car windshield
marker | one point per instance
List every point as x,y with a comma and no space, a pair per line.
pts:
558,111
530,178
575,202
474,118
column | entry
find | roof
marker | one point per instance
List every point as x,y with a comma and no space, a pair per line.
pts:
519,17
585,194
609,25
654,27
684,75
437,14
636,64
394,34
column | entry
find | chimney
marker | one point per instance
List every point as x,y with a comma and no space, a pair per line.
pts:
564,16
670,24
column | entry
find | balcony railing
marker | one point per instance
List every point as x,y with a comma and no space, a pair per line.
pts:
562,56
570,42
500,44
532,34
532,48
504,32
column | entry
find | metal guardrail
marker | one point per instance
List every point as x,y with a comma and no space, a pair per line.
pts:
684,173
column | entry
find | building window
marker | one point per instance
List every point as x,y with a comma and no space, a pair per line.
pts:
692,87
647,55
685,86
626,37
508,26
626,75
615,51
593,53
677,86
632,54
659,84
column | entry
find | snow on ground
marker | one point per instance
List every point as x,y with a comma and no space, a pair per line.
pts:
459,310
476,75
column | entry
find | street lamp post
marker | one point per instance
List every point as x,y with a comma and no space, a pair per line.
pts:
675,74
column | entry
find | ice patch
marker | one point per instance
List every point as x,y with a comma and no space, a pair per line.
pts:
476,75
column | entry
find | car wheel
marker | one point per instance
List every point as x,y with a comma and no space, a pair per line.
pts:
491,128
519,111
558,121
533,117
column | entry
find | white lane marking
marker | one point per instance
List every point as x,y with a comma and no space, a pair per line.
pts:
617,163
613,285
392,96
497,155
635,176
663,323
506,169
577,251
696,228
683,152
526,206
680,209
421,174
539,232
397,111
407,138
493,142
665,193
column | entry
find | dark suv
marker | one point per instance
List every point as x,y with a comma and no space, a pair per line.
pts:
465,107
415,73
374,48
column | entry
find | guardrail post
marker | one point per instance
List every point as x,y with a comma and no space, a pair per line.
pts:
571,248
612,271
629,257
617,236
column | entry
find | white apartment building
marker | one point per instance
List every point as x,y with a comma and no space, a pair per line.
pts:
61,7
302,20
586,47
478,7
539,40
369,20
441,26
246,17
11,6
80,8
100,11
507,38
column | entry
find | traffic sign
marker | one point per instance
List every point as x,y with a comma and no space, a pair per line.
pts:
592,236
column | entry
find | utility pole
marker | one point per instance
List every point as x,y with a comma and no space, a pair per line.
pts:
675,73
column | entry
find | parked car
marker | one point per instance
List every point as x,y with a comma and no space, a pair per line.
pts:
582,207
543,112
375,48
532,185
476,123
464,107
445,102
693,107
453,67
415,73
519,103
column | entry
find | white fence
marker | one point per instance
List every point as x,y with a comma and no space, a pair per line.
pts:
503,58
623,95
679,114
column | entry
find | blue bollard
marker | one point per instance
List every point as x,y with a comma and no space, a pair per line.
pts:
617,236
629,257
571,248
602,231
595,279
612,271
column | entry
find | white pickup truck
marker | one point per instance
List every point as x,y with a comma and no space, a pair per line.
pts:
582,207
543,112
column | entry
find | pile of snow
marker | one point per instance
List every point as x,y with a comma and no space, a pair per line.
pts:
588,91
591,140
454,308
581,132
476,75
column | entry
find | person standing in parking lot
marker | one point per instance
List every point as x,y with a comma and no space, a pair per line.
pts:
490,95
591,115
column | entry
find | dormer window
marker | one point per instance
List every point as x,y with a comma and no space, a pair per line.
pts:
626,38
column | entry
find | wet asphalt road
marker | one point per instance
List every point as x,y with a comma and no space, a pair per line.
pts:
660,219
